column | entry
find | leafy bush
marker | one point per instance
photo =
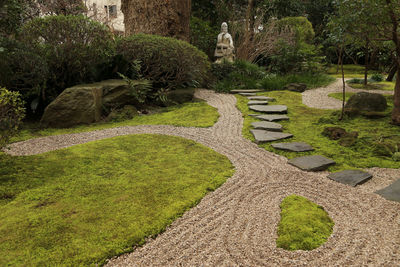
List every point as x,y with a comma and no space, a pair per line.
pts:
377,77
238,75
11,113
277,82
73,48
303,56
203,36
169,63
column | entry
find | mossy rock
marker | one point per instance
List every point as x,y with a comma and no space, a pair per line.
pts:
125,113
365,102
334,133
348,139
180,96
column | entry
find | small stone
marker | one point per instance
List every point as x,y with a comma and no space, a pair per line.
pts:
247,94
312,163
350,177
256,102
269,109
260,97
267,136
271,117
296,87
295,147
236,91
266,125
392,192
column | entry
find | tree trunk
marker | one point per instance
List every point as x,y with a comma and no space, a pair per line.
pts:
167,17
344,85
366,62
396,100
392,72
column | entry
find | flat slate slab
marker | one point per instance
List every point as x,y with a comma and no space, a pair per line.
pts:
266,125
312,163
260,97
269,109
236,91
294,147
392,192
268,136
271,117
257,102
247,94
350,177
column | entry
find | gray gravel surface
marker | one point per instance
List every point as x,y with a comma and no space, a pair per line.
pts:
236,224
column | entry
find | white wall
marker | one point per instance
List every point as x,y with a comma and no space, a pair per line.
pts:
99,14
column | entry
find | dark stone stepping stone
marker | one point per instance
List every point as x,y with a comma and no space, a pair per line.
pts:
256,102
269,109
392,192
236,91
350,177
267,136
271,117
247,94
295,147
312,163
260,97
266,125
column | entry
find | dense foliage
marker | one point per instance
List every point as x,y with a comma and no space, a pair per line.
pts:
11,113
167,62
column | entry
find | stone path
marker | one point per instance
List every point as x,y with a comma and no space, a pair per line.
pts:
236,224
318,98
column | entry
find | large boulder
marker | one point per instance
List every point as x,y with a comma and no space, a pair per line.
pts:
83,104
296,87
364,102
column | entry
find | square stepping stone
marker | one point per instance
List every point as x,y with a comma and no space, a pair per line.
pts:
269,109
266,125
392,192
260,97
268,136
257,102
247,94
350,177
236,91
294,147
312,163
271,117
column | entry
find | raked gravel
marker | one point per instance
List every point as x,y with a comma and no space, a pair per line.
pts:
236,225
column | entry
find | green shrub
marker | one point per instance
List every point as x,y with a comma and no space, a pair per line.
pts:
238,75
377,77
169,63
313,80
12,111
203,36
74,48
304,225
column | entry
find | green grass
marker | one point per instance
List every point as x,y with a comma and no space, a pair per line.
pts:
350,71
340,96
193,114
84,204
277,82
304,225
307,125
386,86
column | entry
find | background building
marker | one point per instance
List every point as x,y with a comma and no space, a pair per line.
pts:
108,12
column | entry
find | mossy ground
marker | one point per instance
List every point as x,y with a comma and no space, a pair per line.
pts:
304,225
81,205
350,71
192,114
307,125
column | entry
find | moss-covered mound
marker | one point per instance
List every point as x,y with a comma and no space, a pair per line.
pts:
304,225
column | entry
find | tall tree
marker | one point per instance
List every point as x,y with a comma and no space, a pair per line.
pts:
167,18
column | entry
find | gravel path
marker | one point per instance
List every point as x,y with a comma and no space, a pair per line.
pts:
236,224
318,98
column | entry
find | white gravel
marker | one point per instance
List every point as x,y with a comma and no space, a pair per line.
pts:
236,225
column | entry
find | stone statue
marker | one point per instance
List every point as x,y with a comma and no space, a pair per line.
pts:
224,49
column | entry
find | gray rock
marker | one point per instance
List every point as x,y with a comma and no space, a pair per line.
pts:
296,87
236,91
312,163
260,97
267,136
269,109
271,117
247,94
266,125
365,102
392,192
295,147
350,177
257,102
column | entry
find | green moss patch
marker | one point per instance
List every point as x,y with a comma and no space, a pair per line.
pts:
307,125
194,114
81,205
304,225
